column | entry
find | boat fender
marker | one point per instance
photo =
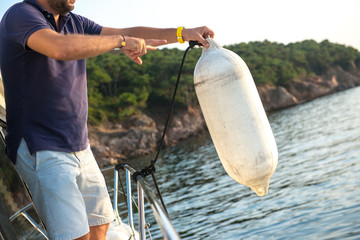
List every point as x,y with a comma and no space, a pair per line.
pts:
121,231
235,117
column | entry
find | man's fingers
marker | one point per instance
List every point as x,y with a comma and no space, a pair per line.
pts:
139,53
139,48
137,60
198,34
204,42
151,48
207,34
155,43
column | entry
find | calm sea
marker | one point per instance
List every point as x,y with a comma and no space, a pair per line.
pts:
314,192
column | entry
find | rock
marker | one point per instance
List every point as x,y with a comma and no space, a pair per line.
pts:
184,124
345,79
114,143
308,88
139,135
140,120
275,97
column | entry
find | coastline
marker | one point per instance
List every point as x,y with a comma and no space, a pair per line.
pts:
138,135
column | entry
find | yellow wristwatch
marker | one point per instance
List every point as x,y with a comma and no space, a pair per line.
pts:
123,43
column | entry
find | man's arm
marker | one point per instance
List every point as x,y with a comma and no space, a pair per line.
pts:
71,47
77,46
170,34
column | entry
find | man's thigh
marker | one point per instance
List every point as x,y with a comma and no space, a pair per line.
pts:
52,180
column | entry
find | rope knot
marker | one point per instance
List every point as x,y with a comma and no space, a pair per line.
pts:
146,171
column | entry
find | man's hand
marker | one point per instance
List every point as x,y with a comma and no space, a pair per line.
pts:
198,34
137,47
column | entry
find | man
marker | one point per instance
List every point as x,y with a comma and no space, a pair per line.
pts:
42,50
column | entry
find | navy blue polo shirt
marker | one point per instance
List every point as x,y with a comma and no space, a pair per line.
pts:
46,99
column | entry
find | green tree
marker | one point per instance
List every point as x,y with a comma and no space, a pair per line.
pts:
119,88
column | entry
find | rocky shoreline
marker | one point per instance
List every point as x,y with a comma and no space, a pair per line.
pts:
140,134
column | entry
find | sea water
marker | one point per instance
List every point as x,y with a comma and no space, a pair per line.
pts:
314,192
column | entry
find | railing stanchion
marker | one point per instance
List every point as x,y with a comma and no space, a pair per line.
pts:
141,212
143,189
116,192
129,198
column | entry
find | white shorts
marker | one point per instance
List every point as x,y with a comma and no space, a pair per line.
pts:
68,190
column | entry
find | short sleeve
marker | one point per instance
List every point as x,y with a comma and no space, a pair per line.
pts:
89,26
22,21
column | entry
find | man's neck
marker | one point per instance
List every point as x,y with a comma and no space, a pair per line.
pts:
45,5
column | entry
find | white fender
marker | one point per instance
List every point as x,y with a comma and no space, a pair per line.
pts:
235,117
121,231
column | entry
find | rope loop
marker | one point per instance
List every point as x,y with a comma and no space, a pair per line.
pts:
146,171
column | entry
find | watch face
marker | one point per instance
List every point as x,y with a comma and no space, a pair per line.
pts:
123,43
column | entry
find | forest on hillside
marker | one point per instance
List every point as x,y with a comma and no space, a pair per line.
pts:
119,88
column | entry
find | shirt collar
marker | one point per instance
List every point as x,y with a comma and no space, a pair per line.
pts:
34,3
63,17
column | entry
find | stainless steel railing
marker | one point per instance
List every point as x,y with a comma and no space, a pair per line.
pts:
23,212
143,189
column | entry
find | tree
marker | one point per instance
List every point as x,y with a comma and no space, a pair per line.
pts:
119,88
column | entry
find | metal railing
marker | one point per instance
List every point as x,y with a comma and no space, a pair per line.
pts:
23,212
10,232
167,229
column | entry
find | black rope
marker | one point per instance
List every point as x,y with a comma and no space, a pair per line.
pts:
151,168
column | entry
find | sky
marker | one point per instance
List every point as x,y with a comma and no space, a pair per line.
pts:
234,21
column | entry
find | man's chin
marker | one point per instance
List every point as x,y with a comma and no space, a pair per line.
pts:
69,9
